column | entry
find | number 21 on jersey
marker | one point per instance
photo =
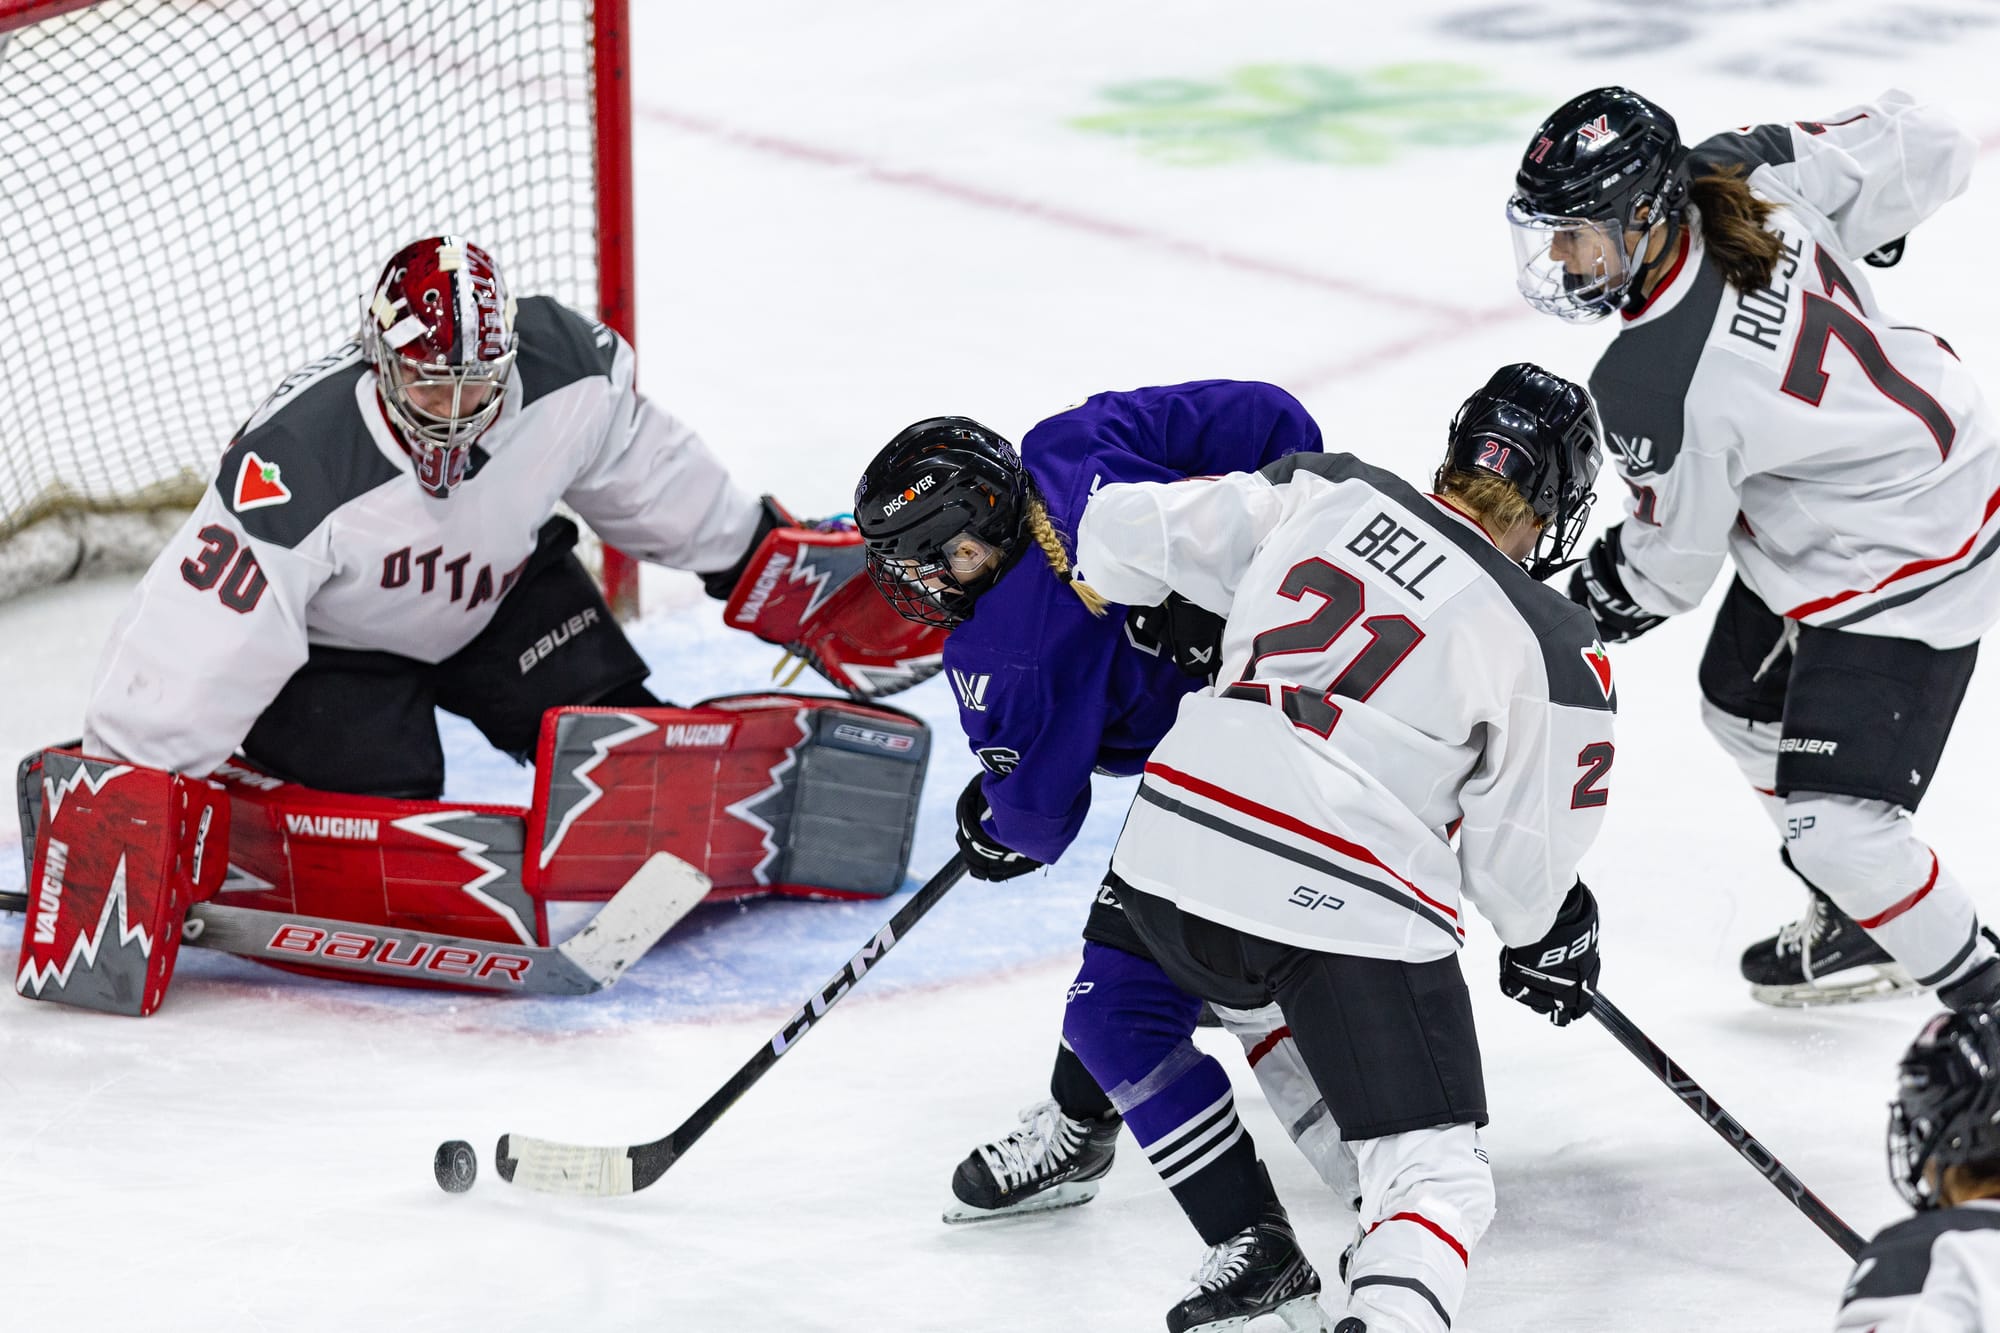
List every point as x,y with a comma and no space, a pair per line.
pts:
1342,600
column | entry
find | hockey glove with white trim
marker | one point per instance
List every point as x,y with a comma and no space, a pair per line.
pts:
1557,974
1596,586
1190,636
985,857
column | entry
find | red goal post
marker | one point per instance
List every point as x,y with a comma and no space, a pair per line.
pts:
200,191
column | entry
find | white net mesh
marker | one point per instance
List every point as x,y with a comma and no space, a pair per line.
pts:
200,191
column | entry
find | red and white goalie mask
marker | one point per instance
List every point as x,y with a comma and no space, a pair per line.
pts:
440,334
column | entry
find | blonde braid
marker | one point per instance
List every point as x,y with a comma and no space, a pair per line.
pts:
1043,530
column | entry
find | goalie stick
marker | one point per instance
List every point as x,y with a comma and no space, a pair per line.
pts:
563,1168
646,906
1648,1053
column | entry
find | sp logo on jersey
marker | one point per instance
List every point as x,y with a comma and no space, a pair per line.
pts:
257,484
1599,663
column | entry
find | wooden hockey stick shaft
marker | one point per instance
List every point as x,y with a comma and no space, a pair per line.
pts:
562,1168
1766,1162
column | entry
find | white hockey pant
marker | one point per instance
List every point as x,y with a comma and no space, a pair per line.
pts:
1293,1096
1427,1198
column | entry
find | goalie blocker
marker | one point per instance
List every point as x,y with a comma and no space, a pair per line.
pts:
768,793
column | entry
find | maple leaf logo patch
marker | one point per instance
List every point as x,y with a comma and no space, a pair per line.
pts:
1599,663
257,484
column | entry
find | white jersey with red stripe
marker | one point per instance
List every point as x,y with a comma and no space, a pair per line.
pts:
1844,459
1387,674
315,532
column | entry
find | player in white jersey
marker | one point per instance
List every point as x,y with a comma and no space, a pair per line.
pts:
1765,411
379,541
1939,1272
1390,673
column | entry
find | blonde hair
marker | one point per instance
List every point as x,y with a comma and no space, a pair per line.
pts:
1495,501
1733,227
1972,1180
1043,530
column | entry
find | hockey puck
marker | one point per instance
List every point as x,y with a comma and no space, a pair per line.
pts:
456,1166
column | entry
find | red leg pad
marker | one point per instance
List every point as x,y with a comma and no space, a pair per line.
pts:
121,853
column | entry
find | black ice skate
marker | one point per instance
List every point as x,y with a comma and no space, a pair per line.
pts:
1823,958
1257,1271
1050,1162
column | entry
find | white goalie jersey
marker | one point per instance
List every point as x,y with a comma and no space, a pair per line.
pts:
315,532
1388,676
1845,459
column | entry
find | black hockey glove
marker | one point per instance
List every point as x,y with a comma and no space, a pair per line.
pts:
985,858
1189,635
1557,974
1595,585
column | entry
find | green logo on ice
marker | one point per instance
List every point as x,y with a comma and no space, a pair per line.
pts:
1311,113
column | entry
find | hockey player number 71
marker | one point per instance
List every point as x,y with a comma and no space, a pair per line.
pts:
1343,598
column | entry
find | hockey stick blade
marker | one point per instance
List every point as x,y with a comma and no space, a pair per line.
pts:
550,1167
646,906
1696,1098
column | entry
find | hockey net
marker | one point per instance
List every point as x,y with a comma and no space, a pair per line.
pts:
201,190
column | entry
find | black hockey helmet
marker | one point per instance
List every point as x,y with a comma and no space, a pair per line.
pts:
1947,1105
1605,164
943,510
1540,432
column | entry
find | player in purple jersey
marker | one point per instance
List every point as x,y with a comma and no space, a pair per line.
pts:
1052,688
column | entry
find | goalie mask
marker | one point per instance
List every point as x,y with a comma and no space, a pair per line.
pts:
440,333
943,509
1947,1106
1540,432
1600,176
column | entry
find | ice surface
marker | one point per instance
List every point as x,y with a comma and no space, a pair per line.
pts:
852,216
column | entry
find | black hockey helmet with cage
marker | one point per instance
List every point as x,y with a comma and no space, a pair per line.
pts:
939,481
1607,157
1541,432
1947,1106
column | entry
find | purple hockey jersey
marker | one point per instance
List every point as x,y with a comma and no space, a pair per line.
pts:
1046,691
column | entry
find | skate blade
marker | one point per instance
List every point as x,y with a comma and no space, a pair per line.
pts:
1302,1314
1067,1195
1888,982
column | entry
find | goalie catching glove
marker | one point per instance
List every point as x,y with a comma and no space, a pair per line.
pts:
803,587
1557,974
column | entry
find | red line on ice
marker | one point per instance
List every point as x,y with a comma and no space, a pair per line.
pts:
1000,202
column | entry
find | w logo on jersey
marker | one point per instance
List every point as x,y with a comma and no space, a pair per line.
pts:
971,689
1595,130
